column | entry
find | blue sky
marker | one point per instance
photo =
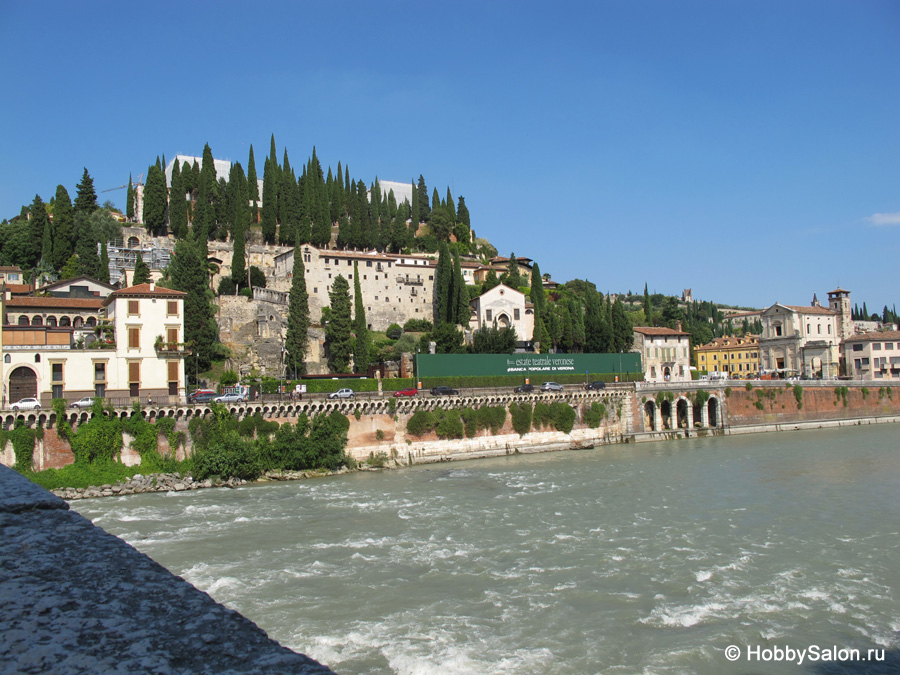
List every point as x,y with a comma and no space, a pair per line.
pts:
747,150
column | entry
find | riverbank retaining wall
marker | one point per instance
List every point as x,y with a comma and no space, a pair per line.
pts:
642,412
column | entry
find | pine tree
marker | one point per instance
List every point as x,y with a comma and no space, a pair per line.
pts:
512,277
103,269
361,351
85,196
141,272
296,341
155,201
462,213
177,204
338,338
63,225
129,201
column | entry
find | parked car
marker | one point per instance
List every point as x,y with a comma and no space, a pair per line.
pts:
444,391
551,386
85,402
230,398
524,389
595,386
202,396
341,393
400,393
26,404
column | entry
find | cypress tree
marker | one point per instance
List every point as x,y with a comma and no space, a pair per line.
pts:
338,336
443,281
361,351
435,202
47,241
415,210
460,313
187,271
296,341
622,330
86,240
451,208
177,204
63,225
240,223
155,201
253,187
270,201
537,290
462,213
103,270
141,271
129,200
490,281
648,310
36,228
512,278
424,207
85,196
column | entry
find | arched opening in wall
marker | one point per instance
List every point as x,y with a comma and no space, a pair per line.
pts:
64,322
698,414
816,365
681,413
22,384
51,321
665,411
667,372
503,321
713,412
78,322
91,321
23,321
649,416
37,321
133,242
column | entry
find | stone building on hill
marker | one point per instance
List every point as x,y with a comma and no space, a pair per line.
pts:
665,353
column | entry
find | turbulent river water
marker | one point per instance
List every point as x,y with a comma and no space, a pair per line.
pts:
650,558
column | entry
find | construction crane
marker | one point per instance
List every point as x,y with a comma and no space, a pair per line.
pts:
122,187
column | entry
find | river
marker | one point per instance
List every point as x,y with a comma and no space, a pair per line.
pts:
648,558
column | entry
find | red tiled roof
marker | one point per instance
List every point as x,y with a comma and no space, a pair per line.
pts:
733,343
143,290
875,336
808,309
26,302
658,330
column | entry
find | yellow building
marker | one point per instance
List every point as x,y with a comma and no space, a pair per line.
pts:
737,356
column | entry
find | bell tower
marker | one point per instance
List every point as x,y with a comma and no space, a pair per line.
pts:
839,303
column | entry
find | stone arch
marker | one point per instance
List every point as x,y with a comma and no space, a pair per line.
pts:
133,242
23,320
665,412
51,321
714,411
65,322
503,320
78,322
650,416
682,413
22,384
37,320
91,321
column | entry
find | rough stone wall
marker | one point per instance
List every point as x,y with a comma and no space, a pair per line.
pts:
74,599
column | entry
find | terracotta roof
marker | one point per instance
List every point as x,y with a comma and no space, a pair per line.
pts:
144,290
19,289
658,330
25,302
875,336
838,290
807,309
4,268
733,343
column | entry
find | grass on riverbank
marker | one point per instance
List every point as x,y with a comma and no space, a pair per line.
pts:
92,475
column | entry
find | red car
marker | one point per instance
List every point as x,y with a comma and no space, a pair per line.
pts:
412,391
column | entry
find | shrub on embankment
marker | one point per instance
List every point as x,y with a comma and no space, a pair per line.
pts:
222,446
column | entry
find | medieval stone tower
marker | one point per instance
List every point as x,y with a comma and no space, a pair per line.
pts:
839,302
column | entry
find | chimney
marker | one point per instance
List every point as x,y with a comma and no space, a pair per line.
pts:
152,286
677,325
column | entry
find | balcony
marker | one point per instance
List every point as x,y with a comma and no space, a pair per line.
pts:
409,282
165,348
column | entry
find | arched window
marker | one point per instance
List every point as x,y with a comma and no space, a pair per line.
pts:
37,321
78,322
91,321
37,358
64,322
6,359
51,321
23,320
133,242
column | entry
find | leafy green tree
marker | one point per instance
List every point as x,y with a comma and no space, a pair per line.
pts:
363,342
63,225
296,341
448,339
155,201
512,277
490,281
493,340
86,196
141,272
70,269
338,337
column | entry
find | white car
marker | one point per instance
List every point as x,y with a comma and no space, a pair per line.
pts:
341,393
26,404
230,398
85,402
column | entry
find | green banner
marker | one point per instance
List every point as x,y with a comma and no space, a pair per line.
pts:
465,365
